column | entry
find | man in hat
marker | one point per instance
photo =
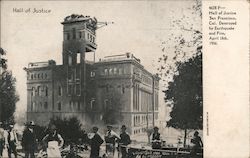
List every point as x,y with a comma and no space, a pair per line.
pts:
196,140
110,139
95,143
2,139
12,141
156,139
124,141
29,140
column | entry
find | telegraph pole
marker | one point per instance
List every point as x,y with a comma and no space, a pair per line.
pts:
153,99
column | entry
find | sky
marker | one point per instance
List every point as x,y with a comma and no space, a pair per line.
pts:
139,27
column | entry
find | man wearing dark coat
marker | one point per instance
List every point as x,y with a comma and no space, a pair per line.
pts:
95,143
156,139
124,141
197,142
29,141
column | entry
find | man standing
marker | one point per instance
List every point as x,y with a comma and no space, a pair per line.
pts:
29,140
156,139
53,141
11,141
2,140
197,144
95,143
124,141
110,139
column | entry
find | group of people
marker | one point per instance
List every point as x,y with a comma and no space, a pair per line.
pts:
110,138
53,141
8,140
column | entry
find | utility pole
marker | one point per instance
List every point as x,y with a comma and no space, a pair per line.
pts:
153,99
0,85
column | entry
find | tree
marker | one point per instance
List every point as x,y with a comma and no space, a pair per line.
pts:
184,40
185,94
180,68
70,129
8,96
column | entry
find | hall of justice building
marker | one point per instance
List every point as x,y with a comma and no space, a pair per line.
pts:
87,89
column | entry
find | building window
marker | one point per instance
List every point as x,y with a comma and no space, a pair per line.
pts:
70,59
105,71
46,91
45,105
78,89
79,105
80,35
59,91
110,71
59,106
71,105
120,71
68,36
92,74
74,33
78,72
42,75
38,76
33,91
33,105
106,101
45,76
31,76
69,89
38,90
78,58
115,70
40,106
83,34
123,89
92,103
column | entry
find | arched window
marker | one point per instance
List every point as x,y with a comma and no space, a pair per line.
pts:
110,71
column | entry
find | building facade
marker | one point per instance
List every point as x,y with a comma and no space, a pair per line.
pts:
88,90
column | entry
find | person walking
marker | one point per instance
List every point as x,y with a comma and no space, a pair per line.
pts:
124,141
110,139
12,141
156,139
95,142
197,142
29,143
2,139
53,141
